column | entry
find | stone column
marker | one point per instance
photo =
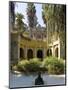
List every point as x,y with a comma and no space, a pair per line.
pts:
52,51
44,53
59,51
18,47
25,53
34,53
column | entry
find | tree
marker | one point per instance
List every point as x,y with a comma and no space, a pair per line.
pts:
19,22
31,13
54,18
47,15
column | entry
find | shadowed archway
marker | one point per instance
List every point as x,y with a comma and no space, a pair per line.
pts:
21,53
49,52
29,54
56,52
40,54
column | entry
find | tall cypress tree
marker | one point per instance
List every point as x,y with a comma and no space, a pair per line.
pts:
31,13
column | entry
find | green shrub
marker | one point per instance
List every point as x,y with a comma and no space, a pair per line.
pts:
50,64
54,65
14,67
22,64
48,60
32,65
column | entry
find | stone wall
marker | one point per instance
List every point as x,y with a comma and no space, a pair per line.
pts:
63,52
14,52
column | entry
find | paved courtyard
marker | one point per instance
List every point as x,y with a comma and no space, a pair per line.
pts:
28,80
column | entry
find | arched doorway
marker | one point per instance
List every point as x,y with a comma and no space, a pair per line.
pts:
49,52
56,52
29,54
40,54
21,53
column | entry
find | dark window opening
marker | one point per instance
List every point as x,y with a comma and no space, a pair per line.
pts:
30,54
40,54
49,52
56,52
21,53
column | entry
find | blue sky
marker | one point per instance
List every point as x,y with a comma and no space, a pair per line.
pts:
22,7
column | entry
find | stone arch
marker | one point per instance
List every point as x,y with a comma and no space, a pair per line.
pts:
29,54
21,53
40,54
56,52
49,52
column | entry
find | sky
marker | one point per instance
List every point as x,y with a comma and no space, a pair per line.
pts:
22,8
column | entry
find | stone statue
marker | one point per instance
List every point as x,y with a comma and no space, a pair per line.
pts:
39,80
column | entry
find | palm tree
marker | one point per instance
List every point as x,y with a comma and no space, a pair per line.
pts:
54,15
20,25
19,22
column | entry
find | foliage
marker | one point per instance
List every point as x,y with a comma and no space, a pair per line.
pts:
33,65
29,66
20,25
22,64
31,13
50,64
54,17
14,67
54,65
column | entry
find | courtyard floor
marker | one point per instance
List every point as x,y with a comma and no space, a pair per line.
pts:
22,80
